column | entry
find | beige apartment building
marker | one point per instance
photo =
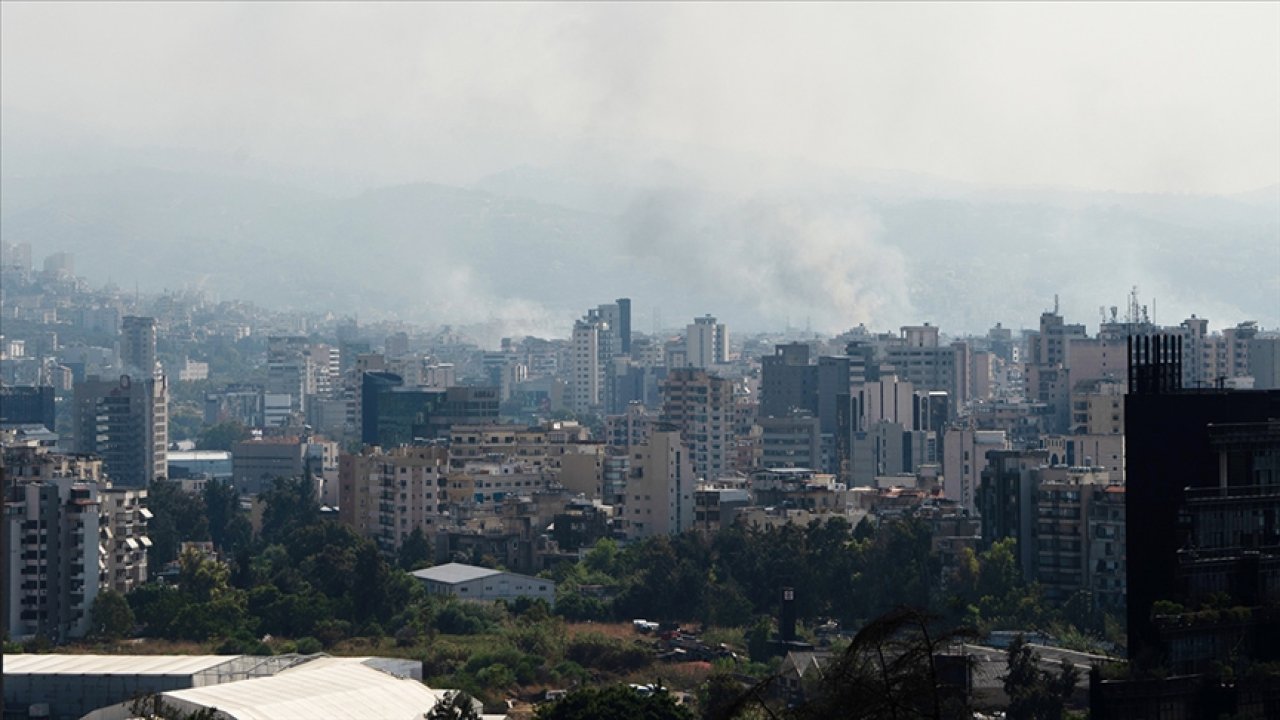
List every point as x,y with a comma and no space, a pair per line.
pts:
539,447
386,495
701,406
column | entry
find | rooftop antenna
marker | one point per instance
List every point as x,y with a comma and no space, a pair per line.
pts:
1055,303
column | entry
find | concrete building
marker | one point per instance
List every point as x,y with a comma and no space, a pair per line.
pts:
592,347
397,415
126,423
26,405
486,488
138,346
788,381
716,505
539,447
1104,451
1264,362
1007,501
629,428
659,492
1066,498
69,534
706,343
792,442
919,358
799,489
468,582
701,405
386,495
1097,408
256,463
964,457
291,370
1201,475
1107,537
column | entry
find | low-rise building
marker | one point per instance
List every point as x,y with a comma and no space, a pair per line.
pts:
469,582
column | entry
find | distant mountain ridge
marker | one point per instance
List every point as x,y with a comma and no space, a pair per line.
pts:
839,256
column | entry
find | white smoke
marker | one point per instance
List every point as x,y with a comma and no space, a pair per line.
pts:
767,262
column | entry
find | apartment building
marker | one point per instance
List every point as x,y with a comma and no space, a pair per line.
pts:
701,406
69,535
386,494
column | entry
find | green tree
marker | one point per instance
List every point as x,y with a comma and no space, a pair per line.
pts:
178,516
456,705
229,529
415,551
889,671
291,504
720,697
111,618
1036,694
222,436
616,701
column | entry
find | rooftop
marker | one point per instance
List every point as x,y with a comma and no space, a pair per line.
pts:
323,687
63,664
452,573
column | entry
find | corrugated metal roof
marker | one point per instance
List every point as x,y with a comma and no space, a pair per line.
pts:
324,687
64,664
454,573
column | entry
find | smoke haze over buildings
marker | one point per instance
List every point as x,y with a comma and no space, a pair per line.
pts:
507,164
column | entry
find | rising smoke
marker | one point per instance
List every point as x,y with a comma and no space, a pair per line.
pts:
769,261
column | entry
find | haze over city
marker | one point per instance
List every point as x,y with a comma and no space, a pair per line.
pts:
811,166
677,361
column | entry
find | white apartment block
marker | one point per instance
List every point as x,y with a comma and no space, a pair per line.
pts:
706,343
659,497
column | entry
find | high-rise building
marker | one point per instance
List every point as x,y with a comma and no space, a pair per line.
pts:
1007,500
1264,362
706,343
586,373
624,326
964,457
27,405
1201,511
918,357
138,346
791,442
69,535
788,381
394,415
291,370
126,423
701,405
385,495
659,491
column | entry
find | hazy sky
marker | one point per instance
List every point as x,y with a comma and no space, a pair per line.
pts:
1142,97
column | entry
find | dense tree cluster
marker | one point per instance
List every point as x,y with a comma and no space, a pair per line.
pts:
849,574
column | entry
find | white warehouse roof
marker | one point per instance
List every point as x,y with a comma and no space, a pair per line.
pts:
452,573
63,664
325,687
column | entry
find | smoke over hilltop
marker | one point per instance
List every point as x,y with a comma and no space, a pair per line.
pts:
768,261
